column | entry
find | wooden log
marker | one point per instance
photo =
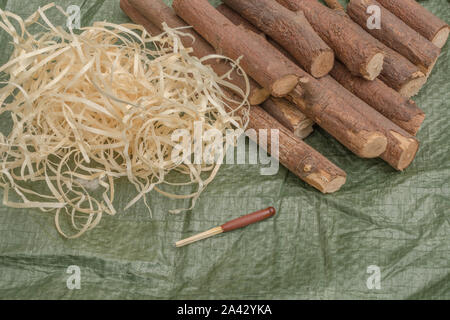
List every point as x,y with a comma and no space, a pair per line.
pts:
302,160
400,110
264,65
332,112
292,31
350,46
401,148
398,72
396,34
201,49
289,116
401,74
419,19
298,157
335,5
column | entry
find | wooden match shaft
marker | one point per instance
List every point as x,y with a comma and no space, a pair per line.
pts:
238,223
353,48
201,49
400,110
294,154
396,34
291,30
419,19
351,128
265,66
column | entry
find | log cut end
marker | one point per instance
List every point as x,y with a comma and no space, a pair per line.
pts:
375,144
322,65
304,129
441,37
409,148
412,87
322,182
373,67
284,85
258,96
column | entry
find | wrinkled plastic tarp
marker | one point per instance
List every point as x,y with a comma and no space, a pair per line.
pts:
317,246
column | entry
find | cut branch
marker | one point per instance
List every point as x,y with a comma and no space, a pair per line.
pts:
401,148
292,31
289,116
352,47
266,66
400,110
397,35
419,19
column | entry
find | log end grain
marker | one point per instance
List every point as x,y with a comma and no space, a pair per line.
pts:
284,85
323,63
413,86
324,183
375,144
258,96
374,67
409,148
441,37
305,129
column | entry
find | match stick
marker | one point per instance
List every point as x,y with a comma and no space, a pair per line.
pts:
230,226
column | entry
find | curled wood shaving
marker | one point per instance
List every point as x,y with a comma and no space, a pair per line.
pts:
94,106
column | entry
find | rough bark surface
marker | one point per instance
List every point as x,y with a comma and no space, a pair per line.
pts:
331,112
291,30
401,148
400,110
353,48
419,19
396,35
298,157
289,116
264,64
302,160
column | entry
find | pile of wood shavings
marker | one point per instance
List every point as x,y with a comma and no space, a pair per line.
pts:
94,106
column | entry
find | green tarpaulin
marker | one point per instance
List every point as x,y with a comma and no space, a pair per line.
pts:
317,246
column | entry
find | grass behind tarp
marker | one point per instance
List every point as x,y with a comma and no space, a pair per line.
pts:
316,247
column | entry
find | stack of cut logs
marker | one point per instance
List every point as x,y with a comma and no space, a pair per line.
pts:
310,63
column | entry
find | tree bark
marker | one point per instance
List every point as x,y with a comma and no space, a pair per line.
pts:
400,110
401,147
292,31
265,65
396,35
419,19
353,48
294,154
289,116
331,112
